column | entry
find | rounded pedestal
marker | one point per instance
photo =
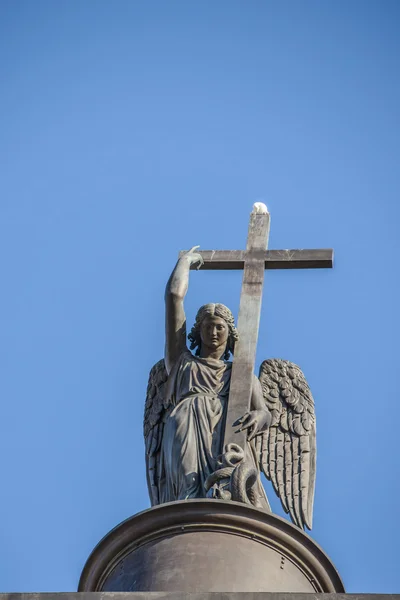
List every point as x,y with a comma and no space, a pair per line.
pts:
208,546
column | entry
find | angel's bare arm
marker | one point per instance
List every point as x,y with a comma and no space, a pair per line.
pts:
257,399
258,418
175,319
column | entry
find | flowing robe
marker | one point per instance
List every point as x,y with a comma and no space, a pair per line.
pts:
198,390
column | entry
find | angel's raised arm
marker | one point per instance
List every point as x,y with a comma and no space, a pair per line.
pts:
175,318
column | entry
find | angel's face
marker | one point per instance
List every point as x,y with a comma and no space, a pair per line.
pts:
214,333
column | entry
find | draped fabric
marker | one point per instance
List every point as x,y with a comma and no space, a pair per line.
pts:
198,390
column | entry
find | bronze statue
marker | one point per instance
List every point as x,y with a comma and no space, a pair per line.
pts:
211,428
186,411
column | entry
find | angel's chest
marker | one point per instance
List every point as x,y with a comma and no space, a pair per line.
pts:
201,378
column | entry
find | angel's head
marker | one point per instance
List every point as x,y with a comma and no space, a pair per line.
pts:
214,328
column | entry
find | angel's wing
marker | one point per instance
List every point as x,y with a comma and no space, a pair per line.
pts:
154,413
287,450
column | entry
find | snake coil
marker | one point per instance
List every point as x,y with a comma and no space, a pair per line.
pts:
241,474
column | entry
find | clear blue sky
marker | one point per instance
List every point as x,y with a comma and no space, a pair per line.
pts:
131,130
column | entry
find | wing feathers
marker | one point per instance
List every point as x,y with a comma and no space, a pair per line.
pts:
264,453
311,483
295,479
288,452
153,426
304,475
280,450
288,473
272,457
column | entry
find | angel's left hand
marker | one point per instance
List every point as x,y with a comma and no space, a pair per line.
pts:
255,421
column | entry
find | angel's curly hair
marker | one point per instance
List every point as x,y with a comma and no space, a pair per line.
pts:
214,310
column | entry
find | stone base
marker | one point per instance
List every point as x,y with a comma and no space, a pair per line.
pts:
208,546
191,596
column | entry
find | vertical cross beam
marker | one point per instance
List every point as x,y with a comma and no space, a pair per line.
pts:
248,325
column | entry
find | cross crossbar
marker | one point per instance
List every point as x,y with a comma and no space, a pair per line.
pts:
274,259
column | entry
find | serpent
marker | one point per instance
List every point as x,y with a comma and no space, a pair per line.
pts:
241,473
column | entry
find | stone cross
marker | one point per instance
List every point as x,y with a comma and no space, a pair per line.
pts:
254,260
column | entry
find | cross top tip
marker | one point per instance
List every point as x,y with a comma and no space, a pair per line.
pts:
260,208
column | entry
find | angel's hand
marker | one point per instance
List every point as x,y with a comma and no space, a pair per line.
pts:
193,257
255,421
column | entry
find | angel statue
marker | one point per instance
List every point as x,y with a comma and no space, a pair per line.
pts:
185,415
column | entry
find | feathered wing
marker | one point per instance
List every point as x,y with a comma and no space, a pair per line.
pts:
153,425
287,451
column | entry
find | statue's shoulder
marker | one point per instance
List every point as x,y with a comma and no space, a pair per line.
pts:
186,355
183,358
